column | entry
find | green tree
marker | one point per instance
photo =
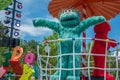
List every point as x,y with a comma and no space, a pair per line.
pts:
53,50
3,30
2,49
28,46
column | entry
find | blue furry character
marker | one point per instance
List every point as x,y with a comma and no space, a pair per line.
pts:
69,26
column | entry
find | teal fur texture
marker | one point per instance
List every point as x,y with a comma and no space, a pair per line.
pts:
69,26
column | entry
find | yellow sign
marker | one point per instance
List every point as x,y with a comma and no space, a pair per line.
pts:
27,72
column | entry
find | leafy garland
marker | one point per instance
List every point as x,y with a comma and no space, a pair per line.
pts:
5,3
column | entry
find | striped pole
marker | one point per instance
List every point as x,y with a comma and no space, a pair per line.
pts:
84,75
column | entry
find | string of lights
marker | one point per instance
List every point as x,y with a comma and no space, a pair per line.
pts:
13,16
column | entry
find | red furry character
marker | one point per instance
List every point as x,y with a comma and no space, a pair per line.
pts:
99,47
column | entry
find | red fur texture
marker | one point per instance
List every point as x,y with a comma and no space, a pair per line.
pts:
99,47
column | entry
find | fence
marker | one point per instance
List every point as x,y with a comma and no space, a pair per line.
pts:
47,61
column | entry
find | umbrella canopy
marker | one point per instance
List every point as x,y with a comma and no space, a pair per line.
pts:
106,8
5,3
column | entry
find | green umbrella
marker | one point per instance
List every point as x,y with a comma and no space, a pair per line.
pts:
5,3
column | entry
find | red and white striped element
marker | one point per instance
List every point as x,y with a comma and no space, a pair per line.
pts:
84,75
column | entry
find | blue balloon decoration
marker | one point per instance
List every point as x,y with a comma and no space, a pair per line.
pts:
36,71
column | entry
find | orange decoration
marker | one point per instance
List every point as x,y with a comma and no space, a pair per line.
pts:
106,8
17,53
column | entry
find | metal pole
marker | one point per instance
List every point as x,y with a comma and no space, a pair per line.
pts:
84,74
12,24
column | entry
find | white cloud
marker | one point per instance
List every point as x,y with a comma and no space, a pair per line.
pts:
26,1
116,54
26,21
26,30
52,18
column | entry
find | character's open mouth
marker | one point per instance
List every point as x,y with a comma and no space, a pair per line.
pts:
69,19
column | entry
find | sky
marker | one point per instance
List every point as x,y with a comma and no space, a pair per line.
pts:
39,9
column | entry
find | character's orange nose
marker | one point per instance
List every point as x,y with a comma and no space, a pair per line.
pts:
67,12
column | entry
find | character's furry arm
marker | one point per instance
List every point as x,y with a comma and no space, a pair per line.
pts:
89,22
113,44
46,23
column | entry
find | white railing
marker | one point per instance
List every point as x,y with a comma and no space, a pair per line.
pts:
45,69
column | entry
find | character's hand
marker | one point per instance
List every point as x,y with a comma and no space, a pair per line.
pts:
36,22
113,44
39,22
93,20
101,18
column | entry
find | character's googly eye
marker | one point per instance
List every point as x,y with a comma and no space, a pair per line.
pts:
70,10
65,11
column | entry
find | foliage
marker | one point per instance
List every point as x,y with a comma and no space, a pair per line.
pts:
53,50
2,29
28,46
5,3
2,49
32,46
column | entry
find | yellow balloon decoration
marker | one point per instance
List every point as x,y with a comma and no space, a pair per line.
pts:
5,3
27,72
